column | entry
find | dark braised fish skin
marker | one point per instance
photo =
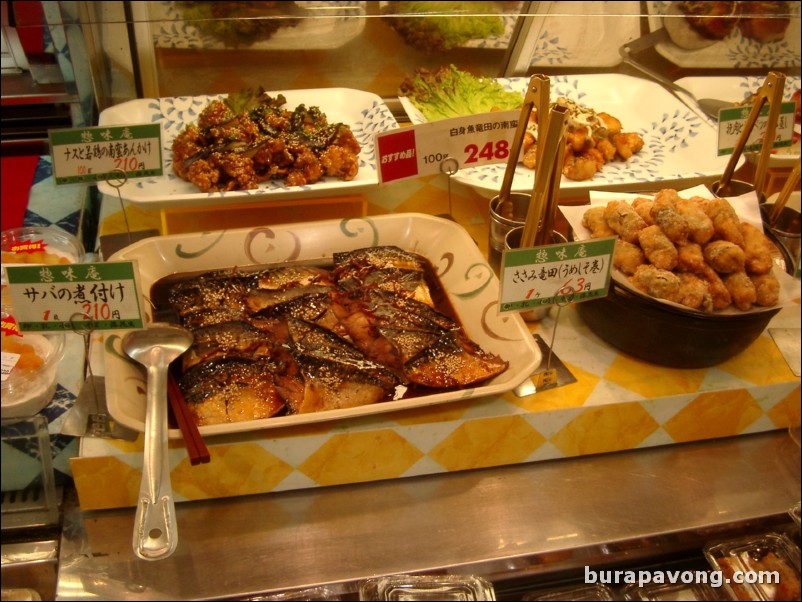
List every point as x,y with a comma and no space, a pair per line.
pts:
387,268
226,339
453,361
231,390
287,277
336,375
380,258
208,316
267,302
300,339
222,289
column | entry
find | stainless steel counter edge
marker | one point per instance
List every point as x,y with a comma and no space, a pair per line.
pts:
497,522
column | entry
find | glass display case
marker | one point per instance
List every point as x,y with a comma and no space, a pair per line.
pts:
194,48
526,473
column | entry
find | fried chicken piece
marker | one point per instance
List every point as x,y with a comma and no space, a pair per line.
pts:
725,257
742,290
627,257
711,19
694,292
765,22
657,247
593,219
580,167
718,290
644,208
627,144
671,222
767,289
757,248
700,225
725,221
690,258
624,220
340,162
656,282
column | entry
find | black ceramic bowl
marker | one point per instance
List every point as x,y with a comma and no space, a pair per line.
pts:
669,335
659,333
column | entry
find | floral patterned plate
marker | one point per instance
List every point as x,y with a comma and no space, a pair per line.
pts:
679,145
733,52
469,281
364,112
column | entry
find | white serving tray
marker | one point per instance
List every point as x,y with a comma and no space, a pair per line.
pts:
680,148
469,281
364,112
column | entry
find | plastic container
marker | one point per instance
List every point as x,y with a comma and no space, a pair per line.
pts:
582,592
41,245
671,591
30,362
426,587
769,562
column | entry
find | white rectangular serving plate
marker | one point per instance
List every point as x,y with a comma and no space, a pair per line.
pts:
365,113
679,145
469,281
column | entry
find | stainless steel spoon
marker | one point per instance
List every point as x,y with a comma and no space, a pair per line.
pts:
677,31
155,528
709,106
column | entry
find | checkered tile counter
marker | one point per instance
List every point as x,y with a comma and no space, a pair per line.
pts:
617,403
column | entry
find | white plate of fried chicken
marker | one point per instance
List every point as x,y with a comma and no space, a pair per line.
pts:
233,143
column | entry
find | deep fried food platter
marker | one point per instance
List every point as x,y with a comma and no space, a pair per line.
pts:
356,113
504,348
699,254
677,145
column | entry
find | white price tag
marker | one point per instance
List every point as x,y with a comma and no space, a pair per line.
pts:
421,150
561,273
731,124
92,154
47,298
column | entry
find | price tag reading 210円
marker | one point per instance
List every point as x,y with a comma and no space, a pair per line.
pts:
422,149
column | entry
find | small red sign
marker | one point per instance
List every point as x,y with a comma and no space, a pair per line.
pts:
10,327
29,246
396,155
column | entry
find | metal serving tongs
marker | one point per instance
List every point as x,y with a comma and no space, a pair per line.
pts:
782,198
771,91
536,98
550,158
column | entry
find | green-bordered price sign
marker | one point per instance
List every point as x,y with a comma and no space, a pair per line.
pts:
51,298
555,274
93,154
731,124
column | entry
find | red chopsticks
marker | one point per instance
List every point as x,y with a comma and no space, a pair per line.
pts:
196,448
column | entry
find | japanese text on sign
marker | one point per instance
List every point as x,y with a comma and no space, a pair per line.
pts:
561,273
46,298
93,154
732,123
421,150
